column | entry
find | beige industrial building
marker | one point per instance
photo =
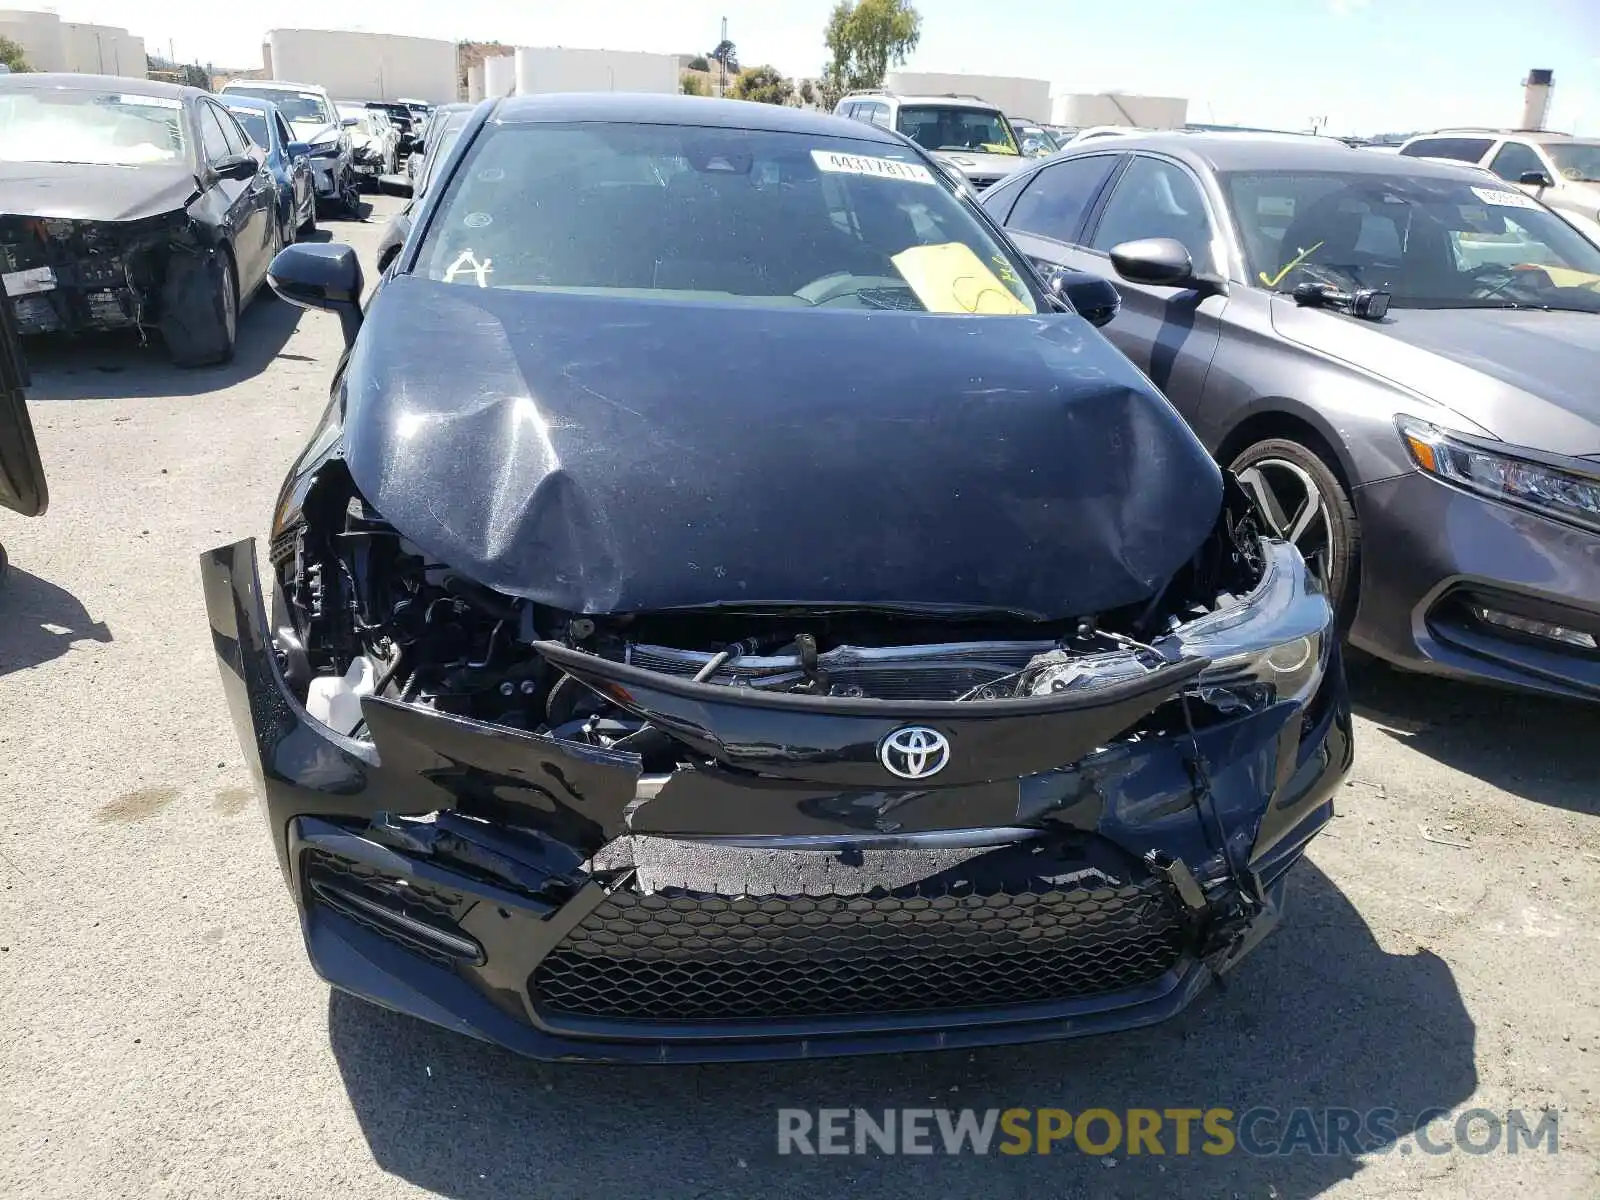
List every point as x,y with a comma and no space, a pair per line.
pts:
51,44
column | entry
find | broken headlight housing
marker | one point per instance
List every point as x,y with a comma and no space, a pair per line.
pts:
1570,494
1269,646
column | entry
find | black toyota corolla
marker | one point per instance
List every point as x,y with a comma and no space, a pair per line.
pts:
732,608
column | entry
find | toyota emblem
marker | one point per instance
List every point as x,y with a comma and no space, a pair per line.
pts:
914,752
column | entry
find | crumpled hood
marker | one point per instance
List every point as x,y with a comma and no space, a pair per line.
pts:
83,192
602,454
1527,377
984,166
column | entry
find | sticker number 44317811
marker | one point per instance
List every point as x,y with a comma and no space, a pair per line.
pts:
866,164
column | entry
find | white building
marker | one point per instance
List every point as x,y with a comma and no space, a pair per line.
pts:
1081,110
541,69
364,66
51,44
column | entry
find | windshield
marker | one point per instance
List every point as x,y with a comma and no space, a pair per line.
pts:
935,127
101,128
366,120
255,124
724,215
1578,161
1036,142
298,108
1430,243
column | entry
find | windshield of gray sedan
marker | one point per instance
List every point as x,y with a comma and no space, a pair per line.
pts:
1429,243
724,215
110,129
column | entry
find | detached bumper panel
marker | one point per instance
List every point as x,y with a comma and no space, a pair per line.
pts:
510,886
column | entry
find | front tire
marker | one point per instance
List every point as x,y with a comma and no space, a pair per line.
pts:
200,309
1303,502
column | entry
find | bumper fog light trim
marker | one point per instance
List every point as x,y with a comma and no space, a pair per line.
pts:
1543,630
455,945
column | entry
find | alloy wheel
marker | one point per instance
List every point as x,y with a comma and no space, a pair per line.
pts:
1295,510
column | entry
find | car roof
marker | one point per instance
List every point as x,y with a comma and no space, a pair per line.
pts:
71,82
1271,152
648,109
233,100
948,100
277,85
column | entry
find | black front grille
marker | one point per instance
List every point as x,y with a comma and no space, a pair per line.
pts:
678,955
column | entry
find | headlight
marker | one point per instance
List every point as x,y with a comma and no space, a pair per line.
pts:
1568,494
1272,645
325,150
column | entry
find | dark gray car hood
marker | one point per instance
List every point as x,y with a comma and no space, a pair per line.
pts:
82,192
1529,378
607,454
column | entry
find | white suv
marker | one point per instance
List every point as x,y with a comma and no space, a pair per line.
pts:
969,135
1570,166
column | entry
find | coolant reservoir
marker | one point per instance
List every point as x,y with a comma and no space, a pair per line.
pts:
336,701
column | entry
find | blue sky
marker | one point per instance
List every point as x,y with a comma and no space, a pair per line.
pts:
1365,65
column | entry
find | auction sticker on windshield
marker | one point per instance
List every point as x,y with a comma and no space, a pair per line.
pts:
864,164
1505,199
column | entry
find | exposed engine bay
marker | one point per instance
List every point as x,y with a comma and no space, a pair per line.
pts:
360,611
70,275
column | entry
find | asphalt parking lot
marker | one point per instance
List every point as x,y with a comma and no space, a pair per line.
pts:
162,1035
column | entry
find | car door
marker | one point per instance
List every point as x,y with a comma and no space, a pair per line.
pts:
22,486
1170,333
246,204
1514,160
299,168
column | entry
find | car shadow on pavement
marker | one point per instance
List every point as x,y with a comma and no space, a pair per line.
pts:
1321,1016
117,366
40,621
1543,750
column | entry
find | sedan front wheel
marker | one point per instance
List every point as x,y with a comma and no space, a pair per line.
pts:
1303,502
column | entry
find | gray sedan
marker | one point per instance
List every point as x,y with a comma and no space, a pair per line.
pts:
1399,358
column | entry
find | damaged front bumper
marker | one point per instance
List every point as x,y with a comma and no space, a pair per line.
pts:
69,276
548,896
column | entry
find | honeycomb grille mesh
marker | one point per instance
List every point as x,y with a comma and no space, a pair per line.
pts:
687,956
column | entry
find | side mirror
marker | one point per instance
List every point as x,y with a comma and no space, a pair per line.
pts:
350,122
297,150
1536,179
237,166
1159,262
1094,299
321,275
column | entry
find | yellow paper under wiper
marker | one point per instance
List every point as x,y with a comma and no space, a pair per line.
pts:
950,278
1565,277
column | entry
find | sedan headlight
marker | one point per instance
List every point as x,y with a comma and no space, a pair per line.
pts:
1569,494
325,149
1272,645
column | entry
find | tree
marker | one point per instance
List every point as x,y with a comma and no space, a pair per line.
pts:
692,84
727,55
763,84
13,56
699,63
808,94
866,38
